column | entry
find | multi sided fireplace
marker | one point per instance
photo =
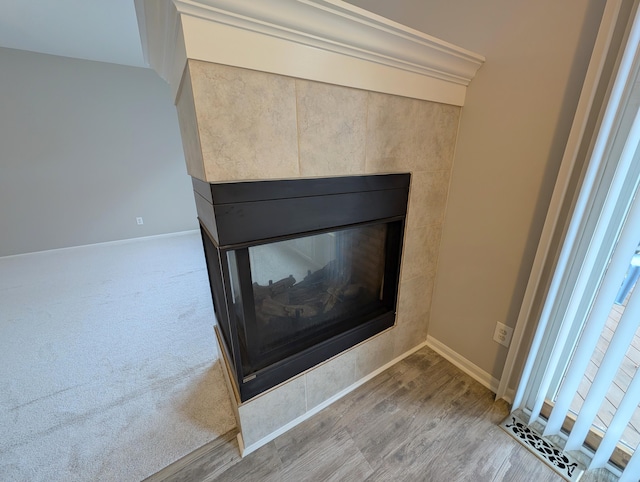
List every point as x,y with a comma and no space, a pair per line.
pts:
300,270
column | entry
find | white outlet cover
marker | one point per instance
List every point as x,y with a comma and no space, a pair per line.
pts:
503,334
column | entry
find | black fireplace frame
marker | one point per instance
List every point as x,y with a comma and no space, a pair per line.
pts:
237,215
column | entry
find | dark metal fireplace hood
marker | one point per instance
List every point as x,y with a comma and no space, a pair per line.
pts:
300,270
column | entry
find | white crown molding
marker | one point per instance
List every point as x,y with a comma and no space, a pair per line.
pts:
325,40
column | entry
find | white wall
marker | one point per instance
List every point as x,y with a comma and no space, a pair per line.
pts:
513,130
85,148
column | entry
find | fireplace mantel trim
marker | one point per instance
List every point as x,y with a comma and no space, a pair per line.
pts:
324,40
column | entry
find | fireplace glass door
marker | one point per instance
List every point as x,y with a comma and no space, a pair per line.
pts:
300,269
291,295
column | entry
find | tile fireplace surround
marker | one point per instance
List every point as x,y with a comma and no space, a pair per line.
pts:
240,124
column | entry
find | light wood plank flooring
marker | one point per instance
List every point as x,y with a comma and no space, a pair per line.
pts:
631,435
421,420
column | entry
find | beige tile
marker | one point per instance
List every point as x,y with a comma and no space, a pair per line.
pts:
420,250
269,412
414,301
409,135
427,198
332,129
412,319
374,353
409,334
246,121
189,128
328,379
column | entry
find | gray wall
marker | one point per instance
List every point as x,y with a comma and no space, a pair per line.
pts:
513,130
85,148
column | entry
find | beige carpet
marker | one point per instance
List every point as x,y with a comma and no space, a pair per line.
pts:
108,365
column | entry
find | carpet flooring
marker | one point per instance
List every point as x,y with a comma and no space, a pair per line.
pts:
109,369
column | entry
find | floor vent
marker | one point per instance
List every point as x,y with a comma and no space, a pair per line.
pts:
562,463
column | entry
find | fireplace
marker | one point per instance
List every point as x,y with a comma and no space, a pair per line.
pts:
296,90
300,270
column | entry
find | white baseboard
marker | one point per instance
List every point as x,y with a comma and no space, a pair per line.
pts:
265,440
508,396
107,243
463,364
460,362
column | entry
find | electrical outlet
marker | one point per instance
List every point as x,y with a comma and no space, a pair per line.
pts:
139,221
502,334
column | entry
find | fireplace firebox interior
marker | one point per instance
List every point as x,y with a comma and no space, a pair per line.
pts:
300,270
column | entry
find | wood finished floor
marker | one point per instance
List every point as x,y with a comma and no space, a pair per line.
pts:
621,382
420,420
